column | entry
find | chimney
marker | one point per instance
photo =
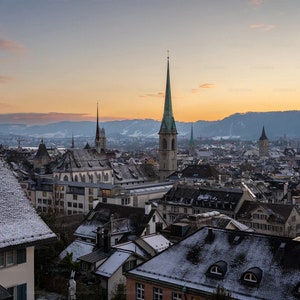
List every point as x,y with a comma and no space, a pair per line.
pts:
148,208
106,241
210,235
99,237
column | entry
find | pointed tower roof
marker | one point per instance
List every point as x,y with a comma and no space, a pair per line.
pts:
168,123
97,137
263,135
192,135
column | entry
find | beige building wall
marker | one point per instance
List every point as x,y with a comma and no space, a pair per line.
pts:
20,273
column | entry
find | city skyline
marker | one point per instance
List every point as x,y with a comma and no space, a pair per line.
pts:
60,58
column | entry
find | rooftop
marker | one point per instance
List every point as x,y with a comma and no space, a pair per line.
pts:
186,263
19,222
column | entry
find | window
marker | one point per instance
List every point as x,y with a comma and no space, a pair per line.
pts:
129,265
250,277
9,257
21,256
74,197
157,294
22,291
215,270
176,296
18,292
1,259
164,144
153,219
140,291
80,205
44,194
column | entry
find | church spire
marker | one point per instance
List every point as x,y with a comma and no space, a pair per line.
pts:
263,135
168,123
192,143
100,139
167,150
97,138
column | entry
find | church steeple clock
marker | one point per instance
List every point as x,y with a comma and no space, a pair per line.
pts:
167,151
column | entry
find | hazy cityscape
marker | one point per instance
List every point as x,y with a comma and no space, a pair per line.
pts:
182,182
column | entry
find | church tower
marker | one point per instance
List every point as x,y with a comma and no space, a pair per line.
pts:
192,143
263,144
100,139
167,149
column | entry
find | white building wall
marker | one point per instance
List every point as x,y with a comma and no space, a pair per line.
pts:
20,274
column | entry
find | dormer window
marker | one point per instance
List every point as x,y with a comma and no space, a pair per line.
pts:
217,270
252,276
297,290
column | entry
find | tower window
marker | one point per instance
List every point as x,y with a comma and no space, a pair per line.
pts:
164,144
173,144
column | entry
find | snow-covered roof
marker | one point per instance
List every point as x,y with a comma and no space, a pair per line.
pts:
185,264
113,263
131,246
78,248
157,242
19,222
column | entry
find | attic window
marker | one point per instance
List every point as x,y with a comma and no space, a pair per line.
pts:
252,276
217,270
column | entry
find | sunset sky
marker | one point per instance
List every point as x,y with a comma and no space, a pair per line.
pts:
58,58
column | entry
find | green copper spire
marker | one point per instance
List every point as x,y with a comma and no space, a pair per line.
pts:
168,123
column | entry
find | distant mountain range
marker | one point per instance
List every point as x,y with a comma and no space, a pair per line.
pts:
247,126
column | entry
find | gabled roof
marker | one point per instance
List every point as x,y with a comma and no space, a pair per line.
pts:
195,172
78,248
20,225
82,160
130,173
185,264
133,218
113,263
277,212
204,196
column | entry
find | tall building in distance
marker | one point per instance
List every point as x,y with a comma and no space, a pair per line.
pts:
263,144
100,139
167,149
192,143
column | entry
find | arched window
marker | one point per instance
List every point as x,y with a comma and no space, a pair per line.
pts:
66,178
217,270
252,276
164,144
173,144
76,178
